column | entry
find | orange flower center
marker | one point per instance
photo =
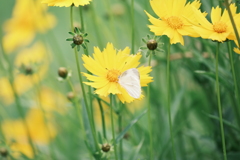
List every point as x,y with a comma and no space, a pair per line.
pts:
174,22
220,27
113,75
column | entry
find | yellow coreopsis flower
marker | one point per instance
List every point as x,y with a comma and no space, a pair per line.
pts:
15,130
221,28
108,65
66,3
28,18
174,19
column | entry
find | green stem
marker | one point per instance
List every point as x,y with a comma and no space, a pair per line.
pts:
103,118
237,98
132,25
219,105
77,105
149,114
96,26
169,101
87,54
113,28
71,18
113,130
81,19
121,142
91,121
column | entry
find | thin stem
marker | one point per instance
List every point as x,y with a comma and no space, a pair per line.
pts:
121,142
96,26
87,54
132,25
78,107
113,130
219,106
71,18
91,121
237,98
113,28
103,118
169,101
81,19
149,115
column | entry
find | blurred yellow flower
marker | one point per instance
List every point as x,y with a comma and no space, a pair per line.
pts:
221,28
175,20
16,135
51,100
66,3
28,18
36,55
108,65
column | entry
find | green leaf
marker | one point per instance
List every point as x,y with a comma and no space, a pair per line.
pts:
69,39
83,45
73,45
86,40
143,47
136,151
135,120
73,34
224,121
144,40
85,35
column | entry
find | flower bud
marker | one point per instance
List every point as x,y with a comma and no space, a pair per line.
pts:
70,96
152,44
106,147
62,72
28,70
3,152
77,39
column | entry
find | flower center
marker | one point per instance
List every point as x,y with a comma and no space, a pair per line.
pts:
113,75
220,27
174,22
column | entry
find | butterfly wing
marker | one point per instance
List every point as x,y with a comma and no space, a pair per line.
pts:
130,80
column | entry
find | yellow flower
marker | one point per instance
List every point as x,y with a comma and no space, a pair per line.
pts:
15,130
221,28
174,16
51,100
108,65
28,18
66,3
28,57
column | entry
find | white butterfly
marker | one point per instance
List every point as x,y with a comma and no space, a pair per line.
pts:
130,80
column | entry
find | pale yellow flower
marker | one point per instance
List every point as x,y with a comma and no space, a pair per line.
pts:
29,17
66,3
36,55
15,130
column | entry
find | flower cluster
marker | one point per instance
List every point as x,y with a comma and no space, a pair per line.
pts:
177,19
